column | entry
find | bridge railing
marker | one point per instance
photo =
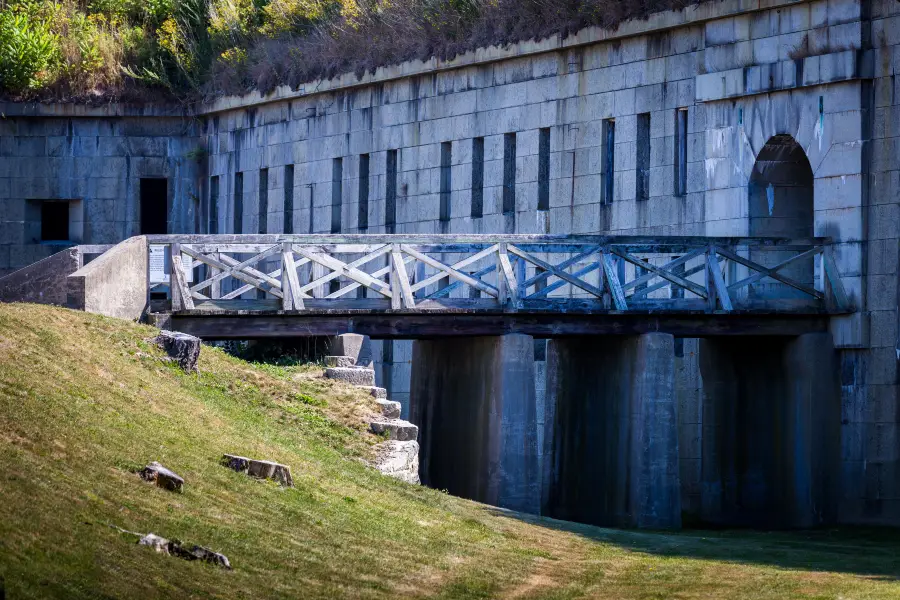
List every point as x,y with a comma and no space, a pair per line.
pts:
500,273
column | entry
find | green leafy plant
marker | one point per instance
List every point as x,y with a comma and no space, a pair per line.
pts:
29,50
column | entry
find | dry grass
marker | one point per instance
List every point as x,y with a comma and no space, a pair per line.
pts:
84,402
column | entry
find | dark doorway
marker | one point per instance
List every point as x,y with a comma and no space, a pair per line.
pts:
54,221
781,205
154,206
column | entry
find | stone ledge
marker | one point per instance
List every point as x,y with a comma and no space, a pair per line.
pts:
389,409
399,460
395,429
340,361
846,65
352,375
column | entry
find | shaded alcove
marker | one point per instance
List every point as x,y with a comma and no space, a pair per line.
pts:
781,204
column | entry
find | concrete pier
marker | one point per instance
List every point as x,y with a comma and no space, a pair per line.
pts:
474,402
611,443
771,431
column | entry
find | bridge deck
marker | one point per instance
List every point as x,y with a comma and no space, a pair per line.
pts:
414,285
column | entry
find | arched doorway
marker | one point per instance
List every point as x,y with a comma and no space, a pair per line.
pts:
780,197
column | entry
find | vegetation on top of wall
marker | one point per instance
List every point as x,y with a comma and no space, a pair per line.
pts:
186,49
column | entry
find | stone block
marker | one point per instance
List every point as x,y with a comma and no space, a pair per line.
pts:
399,460
162,477
389,409
259,469
352,375
395,429
183,348
340,361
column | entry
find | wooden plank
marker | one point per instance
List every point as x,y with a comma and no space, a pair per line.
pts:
557,272
836,286
543,275
181,295
506,279
444,239
445,269
346,270
458,284
768,272
487,289
381,250
558,284
652,288
715,271
376,274
763,271
402,277
647,277
233,268
289,270
237,293
671,277
612,282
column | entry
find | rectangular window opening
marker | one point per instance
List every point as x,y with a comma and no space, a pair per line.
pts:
212,225
363,216
642,165
54,221
477,177
446,159
390,195
609,160
543,202
154,206
337,192
263,201
288,199
681,148
509,173
238,221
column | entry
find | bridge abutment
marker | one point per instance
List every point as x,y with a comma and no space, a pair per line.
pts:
473,399
611,442
771,431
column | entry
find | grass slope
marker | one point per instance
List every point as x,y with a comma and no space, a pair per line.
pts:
84,401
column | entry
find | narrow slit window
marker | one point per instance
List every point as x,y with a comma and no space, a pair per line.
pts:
509,173
609,160
362,218
289,199
446,158
263,201
337,191
681,149
238,221
477,178
543,202
642,160
213,213
390,196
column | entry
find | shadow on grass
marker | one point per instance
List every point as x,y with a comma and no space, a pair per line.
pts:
864,551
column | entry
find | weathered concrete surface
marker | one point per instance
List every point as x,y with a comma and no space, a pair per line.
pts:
771,431
340,361
43,282
473,399
357,347
115,284
389,409
611,444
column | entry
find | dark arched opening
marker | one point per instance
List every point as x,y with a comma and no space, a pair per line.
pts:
781,205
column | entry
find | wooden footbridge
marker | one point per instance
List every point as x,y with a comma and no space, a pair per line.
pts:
408,286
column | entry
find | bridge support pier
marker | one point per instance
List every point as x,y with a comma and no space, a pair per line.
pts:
771,431
474,402
611,439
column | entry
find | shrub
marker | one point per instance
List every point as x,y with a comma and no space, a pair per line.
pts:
29,50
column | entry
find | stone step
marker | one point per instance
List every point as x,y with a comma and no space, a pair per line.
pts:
260,469
378,393
340,361
399,460
352,375
389,409
395,429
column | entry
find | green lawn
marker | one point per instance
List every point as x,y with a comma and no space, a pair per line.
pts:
85,401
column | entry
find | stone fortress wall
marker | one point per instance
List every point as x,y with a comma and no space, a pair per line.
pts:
752,117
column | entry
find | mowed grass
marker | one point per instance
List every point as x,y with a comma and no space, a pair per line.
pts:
85,401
